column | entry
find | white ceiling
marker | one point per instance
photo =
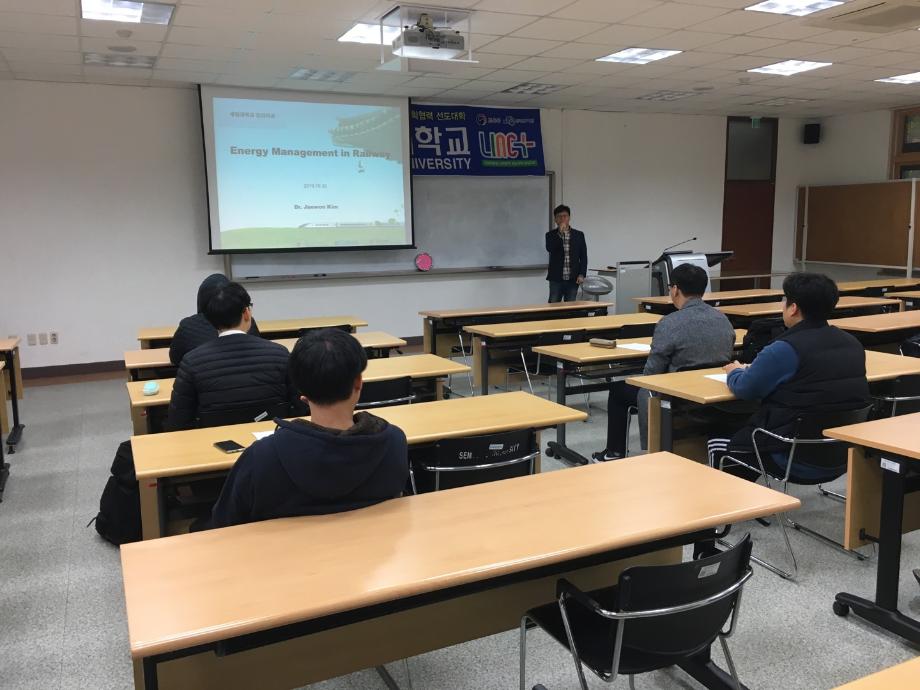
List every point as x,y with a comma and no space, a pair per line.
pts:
259,43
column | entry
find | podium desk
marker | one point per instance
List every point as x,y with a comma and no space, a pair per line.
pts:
161,336
514,336
148,411
288,602
882,502
176,457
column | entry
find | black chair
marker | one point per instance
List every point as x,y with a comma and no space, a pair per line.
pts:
635,330
386,393
543,368
653,618
339,327
242,415
911,347
898,396
473,460
806,445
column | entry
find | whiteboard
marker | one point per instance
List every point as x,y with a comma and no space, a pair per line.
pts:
464,222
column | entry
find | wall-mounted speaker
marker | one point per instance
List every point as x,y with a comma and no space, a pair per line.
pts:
811,133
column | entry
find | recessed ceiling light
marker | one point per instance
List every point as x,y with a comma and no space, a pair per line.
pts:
665,96
790,67
911,78
778,102
126,11
123,49
362,32
796,8
112,60
638,56
321,75
533,89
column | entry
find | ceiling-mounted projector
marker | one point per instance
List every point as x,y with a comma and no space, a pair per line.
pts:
424,41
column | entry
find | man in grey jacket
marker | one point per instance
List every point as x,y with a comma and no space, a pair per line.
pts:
695,336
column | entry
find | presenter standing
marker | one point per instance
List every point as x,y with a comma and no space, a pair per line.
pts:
568,257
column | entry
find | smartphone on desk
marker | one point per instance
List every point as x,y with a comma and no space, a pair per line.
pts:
229,446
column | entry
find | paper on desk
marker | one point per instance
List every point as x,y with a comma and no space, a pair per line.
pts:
638,347
262,434
718,377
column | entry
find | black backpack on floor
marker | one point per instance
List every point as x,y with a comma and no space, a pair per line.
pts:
119,518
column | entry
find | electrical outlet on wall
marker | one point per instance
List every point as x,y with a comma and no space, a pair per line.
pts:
53,337
42,338
32,339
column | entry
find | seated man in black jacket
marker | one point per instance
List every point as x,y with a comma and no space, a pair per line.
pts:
234,377
196,330
335,462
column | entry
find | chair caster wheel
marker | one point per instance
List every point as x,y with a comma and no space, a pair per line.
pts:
841,609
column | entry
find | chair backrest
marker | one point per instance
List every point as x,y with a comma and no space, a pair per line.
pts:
474,460
341,327
894,397
873,292
704,365
561,338
386,393
645,588
636,330
828,454
760,333
911,347
242,415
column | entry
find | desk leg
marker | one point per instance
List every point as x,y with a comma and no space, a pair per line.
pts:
666,425
4,392
483,364
703,669
883,612
16,431
557,449
150,509
429,338
4,470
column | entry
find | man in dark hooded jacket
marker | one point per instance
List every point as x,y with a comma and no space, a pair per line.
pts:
196,330
335,462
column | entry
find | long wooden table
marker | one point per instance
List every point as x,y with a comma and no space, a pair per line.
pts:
294,601
695,386
901,677
882,493
525,333
422,368
911,298
848,304
378,342
849,287
575,358
880,329
161,459
662,304
11,378
161,336
440,327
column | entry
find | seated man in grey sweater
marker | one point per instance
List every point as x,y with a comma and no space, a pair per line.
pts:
694,336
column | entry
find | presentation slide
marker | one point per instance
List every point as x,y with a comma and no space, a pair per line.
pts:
296,172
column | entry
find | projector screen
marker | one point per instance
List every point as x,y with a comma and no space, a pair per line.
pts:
292,171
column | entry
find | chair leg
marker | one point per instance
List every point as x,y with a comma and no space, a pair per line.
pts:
632,682
832,494
408,674
837,546
573,649
730,662
387,678
523,650
526,372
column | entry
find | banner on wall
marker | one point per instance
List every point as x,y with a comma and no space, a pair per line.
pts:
466,140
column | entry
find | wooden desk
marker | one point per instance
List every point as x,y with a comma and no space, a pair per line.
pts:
525,333
159,457
575,358
880,329
322,596
857,286
161,336
662,304
743,313
694,387
4,466
882,501
900,677
441,327
911,298
422,368
136,361
11,377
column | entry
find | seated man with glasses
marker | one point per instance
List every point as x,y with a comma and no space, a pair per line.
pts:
696,335
234,372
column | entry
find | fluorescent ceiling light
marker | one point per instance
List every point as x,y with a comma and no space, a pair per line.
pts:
911,78
321,75
128,12
666,96
796,8
790,67
778,102
119,60
533,89
362,32
427,53
638,56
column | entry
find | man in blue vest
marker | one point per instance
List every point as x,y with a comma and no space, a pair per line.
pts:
812,368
